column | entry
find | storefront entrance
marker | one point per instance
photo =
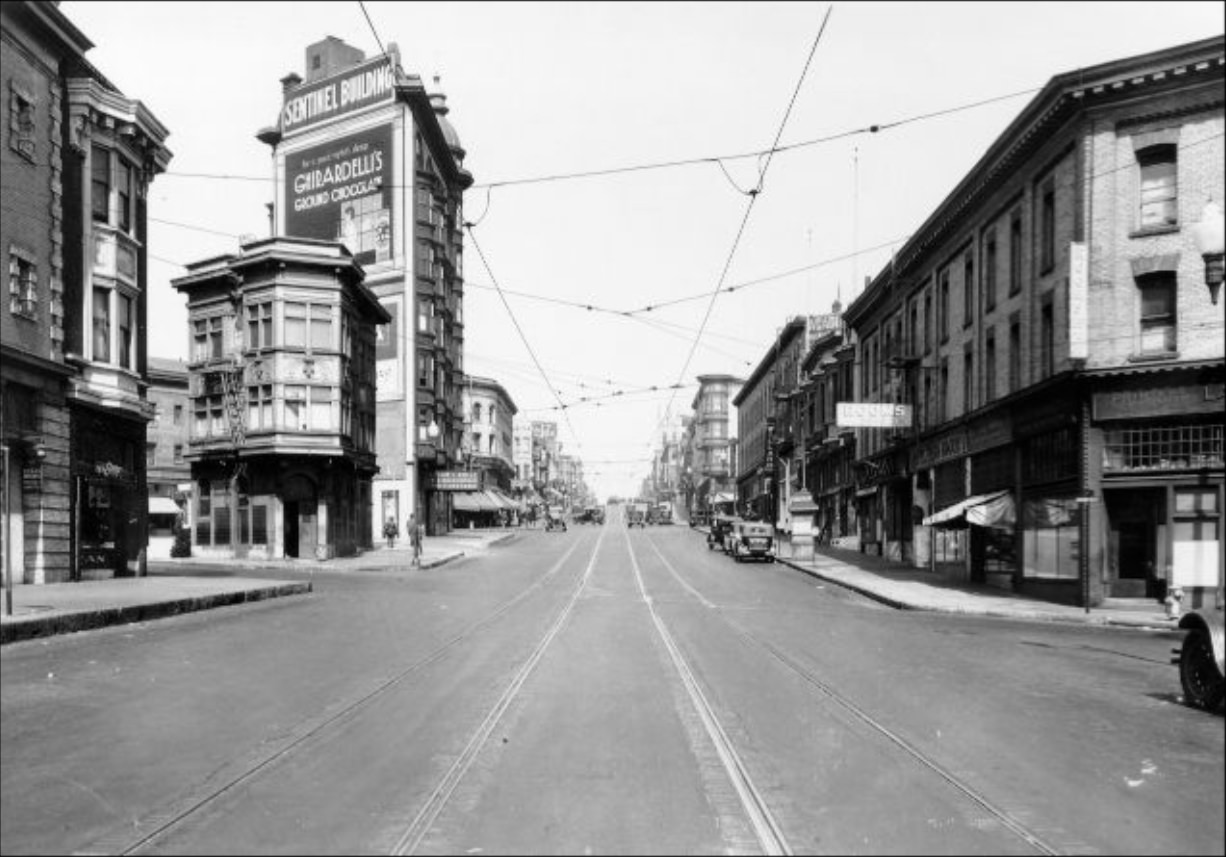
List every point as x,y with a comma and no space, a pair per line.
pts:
1135,549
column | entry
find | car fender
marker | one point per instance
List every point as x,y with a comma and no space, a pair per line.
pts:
1212,624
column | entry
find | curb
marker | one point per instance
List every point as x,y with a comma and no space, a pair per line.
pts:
28,628
1097,621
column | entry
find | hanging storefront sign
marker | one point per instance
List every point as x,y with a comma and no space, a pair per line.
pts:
1078,301
457,480
342,191
872,415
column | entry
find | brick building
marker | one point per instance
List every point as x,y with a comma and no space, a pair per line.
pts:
1051,327
78,158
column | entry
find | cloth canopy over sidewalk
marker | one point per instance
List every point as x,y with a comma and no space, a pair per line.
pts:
996,509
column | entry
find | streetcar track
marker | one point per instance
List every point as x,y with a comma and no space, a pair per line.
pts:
166,819
766,828
428,814
1004,817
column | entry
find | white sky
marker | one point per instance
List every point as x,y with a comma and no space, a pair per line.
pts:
542,89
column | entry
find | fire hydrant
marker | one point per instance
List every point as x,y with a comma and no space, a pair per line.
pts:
1173,602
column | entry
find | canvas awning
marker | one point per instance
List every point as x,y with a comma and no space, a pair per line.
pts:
163,506
983,510
723,497
499,500
465,501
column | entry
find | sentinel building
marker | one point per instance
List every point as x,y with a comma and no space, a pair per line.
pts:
364,156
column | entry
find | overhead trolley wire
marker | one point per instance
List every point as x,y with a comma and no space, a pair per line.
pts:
753,198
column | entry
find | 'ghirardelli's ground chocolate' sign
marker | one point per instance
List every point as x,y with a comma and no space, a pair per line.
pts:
342,191
335,96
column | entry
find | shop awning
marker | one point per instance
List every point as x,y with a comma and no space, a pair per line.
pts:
983,510
465,501
162,506
499,500
723,497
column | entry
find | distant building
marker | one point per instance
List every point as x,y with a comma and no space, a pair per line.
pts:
713,426
282,368
77,159
167,472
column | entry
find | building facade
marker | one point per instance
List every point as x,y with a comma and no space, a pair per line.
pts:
282,385
713,423
78,159
826,476
381,170
168,475
1051,328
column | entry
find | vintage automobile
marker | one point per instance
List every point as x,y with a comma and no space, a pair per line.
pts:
1201,659
636,515
752,540
721,526
555,519
664,513
590,515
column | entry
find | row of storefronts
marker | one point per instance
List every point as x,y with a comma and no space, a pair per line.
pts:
1095,486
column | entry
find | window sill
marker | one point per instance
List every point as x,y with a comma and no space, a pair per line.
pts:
1147,231
28,315
1153,356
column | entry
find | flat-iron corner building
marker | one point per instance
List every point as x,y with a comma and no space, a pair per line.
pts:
364,156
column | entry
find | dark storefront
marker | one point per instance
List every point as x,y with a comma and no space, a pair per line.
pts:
1158,438
108,494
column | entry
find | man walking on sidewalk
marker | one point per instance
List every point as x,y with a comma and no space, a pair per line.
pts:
415,535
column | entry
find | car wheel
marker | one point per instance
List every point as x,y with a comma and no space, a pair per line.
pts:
1198,672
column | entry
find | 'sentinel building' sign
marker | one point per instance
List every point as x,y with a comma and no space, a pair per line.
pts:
342,191
361,87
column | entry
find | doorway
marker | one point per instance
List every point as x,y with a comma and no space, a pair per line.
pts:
290,546
1136,553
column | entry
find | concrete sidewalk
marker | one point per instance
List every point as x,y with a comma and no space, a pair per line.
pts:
173,587
907,588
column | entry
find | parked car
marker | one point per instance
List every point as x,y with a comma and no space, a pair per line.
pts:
664,513
721,526
1201,659
752,540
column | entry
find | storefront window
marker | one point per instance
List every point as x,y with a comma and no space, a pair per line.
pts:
1197,548
1050,538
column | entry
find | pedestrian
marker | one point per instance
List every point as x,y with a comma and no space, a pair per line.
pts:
416,531
390,531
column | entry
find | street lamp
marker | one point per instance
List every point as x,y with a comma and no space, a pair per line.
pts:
1209,240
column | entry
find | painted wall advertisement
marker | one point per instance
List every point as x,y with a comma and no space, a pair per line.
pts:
342,191
387,354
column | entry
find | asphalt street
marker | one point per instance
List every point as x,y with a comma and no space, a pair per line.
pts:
601,691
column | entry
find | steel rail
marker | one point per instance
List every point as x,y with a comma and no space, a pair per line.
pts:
434,805
1005,818
166,820
766,828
